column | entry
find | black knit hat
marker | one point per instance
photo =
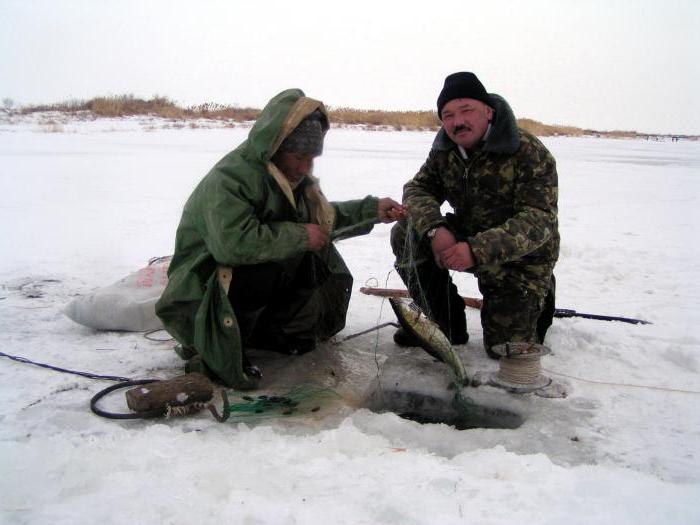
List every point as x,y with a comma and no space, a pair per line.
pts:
307,137
462,85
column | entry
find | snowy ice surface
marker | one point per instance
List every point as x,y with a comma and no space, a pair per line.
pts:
83,204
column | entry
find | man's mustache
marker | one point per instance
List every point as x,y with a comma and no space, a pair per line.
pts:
460,127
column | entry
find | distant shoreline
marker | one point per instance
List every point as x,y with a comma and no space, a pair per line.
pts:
128,105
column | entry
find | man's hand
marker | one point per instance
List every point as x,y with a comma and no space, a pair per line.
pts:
318,237
389,210
442,241
459,257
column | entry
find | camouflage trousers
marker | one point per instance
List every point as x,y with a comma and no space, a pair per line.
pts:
512,310
512,313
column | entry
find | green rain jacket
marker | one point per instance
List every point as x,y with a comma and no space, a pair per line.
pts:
244,212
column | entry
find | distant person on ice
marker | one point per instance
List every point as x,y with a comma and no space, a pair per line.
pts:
253,263
501,183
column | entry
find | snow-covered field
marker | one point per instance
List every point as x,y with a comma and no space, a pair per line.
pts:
83,204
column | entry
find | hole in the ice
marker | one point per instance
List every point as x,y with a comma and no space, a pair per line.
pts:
462,413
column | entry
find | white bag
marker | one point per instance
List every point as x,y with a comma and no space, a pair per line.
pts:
128,304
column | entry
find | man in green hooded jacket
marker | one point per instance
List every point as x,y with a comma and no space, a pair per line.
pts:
253,263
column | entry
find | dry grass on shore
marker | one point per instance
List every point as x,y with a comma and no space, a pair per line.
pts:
129,105
546,130
398,120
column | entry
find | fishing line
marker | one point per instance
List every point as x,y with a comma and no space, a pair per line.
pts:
624,385
409,260
89,375
376,338
149,335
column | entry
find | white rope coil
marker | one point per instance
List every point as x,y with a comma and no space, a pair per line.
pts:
521,370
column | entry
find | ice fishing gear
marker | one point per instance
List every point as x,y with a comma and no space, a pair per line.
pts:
191,393
520,371
300,400
123,384
564,313
398,292
519,367
153,398
178,391
188,394
473,302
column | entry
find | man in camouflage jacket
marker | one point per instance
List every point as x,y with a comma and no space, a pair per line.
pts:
501,183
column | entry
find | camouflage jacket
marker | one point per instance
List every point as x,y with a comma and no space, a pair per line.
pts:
504,198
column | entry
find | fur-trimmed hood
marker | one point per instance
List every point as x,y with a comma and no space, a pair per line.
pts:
503,138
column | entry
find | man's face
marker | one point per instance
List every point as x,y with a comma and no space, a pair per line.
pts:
465,120
294,166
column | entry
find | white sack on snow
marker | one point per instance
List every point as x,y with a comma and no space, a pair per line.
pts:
128,304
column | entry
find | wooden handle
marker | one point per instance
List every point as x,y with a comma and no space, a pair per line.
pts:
472,302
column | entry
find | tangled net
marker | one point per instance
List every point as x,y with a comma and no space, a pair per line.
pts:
300,400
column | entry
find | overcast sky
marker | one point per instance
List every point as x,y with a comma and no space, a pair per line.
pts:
603,64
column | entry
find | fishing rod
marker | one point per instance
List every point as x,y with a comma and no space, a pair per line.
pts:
473,302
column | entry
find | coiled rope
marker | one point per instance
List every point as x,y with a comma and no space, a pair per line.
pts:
521,370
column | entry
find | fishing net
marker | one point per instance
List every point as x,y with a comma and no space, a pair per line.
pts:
302,400
414,266
430,287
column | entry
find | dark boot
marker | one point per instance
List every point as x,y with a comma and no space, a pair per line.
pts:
434,292
492,354
545,319
403,337
430,287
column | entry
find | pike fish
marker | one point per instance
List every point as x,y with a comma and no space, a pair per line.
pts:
432,339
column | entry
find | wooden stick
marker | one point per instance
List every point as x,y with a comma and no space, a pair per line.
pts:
472,302
180,390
